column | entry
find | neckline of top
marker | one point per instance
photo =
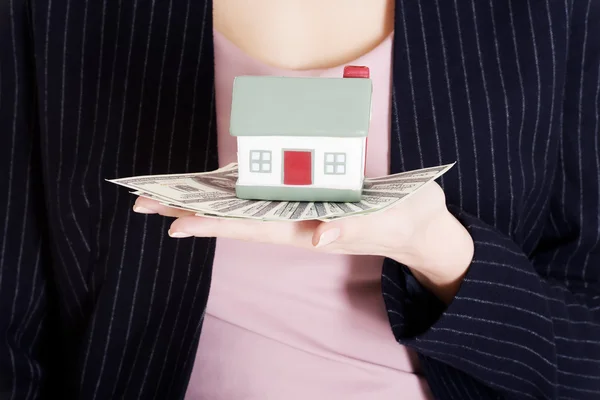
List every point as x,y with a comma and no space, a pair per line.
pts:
239,54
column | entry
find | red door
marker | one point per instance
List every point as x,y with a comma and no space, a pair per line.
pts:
297,167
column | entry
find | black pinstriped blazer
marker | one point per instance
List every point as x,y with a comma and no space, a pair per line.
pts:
99,303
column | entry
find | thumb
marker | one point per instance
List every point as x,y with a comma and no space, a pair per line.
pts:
326,233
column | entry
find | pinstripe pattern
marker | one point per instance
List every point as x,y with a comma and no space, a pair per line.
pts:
98,303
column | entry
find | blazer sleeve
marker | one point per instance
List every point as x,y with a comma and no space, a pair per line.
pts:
527,325
24,259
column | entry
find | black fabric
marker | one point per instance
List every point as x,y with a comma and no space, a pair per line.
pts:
97,302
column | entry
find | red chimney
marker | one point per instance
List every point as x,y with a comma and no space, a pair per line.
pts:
355,71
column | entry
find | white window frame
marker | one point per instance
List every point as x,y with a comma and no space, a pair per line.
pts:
335,163
261,161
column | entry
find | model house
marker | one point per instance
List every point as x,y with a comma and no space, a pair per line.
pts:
301,139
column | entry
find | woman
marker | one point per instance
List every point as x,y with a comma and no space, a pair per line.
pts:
484,286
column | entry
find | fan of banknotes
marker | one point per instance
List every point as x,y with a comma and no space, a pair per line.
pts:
212,194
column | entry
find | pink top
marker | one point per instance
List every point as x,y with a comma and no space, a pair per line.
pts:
285,323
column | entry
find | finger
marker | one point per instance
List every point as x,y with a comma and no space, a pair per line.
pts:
144,205
346,230
379,233
353,235
275,232
339,234
326,233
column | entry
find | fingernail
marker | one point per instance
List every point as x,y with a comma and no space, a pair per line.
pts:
328,237
143,210
178,234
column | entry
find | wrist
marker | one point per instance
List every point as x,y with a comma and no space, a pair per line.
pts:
440,256
450,248
443,287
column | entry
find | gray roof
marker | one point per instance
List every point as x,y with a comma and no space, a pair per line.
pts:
282,106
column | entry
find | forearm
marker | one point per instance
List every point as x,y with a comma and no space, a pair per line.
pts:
507,326
442,267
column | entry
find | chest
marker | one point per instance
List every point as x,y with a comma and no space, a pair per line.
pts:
304,34
475,83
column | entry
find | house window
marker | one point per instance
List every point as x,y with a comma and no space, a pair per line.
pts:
335,163
260,161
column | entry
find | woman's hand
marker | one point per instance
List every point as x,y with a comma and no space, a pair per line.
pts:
419,232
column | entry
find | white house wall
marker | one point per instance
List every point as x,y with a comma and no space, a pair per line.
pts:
352,147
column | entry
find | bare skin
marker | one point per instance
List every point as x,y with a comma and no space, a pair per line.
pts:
306,34
419,233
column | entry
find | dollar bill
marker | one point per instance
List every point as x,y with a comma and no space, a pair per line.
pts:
212,194
187,188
